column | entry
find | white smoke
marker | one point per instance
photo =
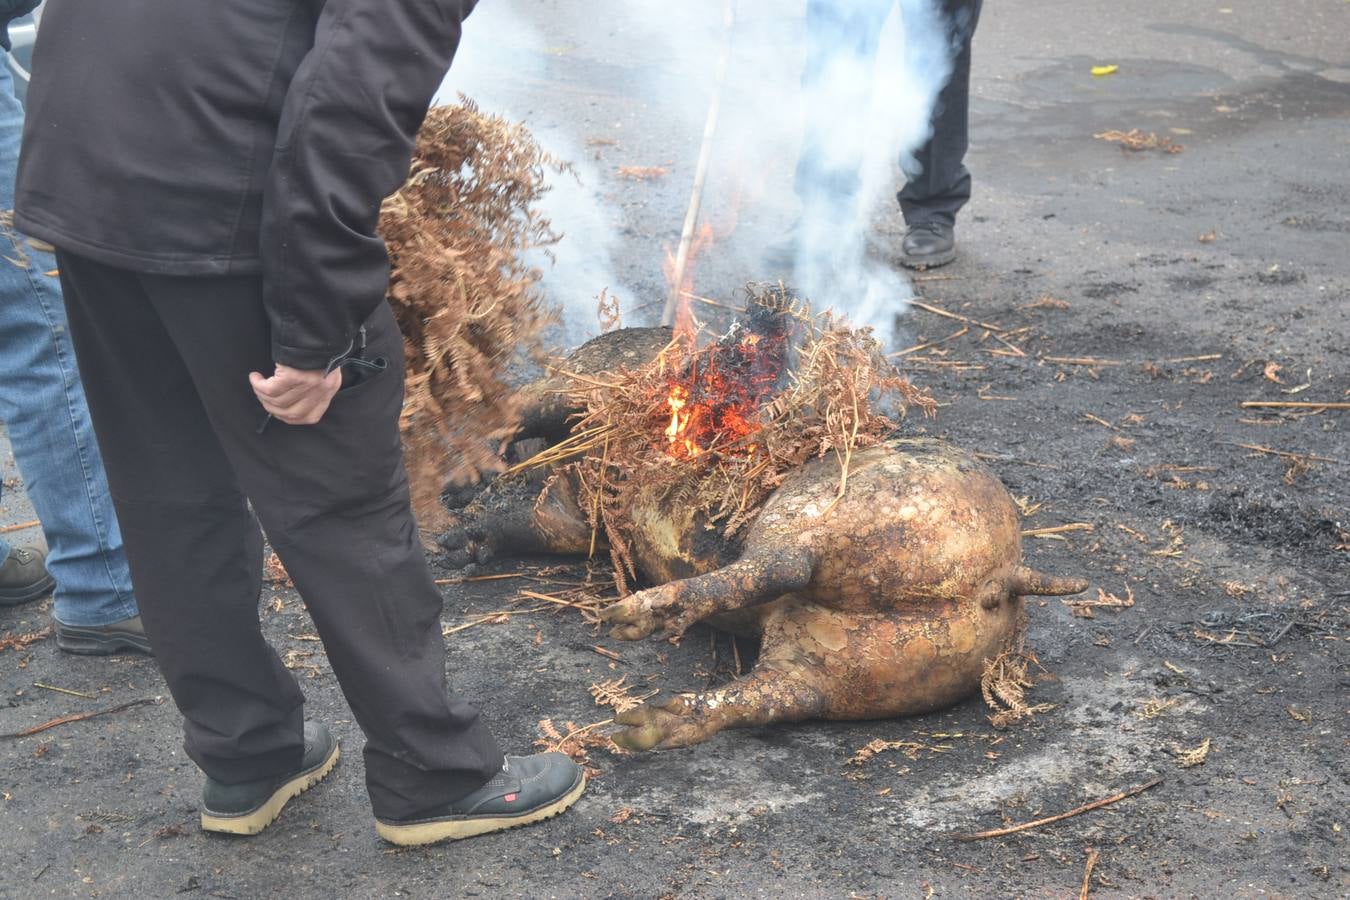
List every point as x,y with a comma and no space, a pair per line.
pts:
500,52
875,108
870,107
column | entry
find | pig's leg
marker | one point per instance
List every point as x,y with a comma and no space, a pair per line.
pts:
758,577
767,695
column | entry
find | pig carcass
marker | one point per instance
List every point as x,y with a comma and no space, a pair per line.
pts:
885,602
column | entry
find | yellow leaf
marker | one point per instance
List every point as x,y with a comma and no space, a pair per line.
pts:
1104,70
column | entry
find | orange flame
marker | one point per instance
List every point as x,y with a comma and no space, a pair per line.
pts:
684,314
717,406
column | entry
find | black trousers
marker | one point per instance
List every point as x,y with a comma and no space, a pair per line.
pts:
937,183
165,362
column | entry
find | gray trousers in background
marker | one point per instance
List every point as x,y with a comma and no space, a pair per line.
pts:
165,362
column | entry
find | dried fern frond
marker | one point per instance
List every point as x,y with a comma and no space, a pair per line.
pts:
1006,680
618,693
466,300
1196,756
577,742
873,747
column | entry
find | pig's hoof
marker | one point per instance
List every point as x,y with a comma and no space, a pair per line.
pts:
664,726
464,545
632,618
647,612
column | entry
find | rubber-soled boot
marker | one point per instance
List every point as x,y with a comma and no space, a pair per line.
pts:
528,789
928,245
249,807
126,636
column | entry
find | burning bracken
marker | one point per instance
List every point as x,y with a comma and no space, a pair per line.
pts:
716,428
715,402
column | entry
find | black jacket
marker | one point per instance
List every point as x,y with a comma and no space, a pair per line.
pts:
234,137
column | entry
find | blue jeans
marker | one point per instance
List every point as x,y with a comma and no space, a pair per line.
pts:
42,404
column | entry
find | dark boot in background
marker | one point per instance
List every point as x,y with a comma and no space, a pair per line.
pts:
928,245
24,577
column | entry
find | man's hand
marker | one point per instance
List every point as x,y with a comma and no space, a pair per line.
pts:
296,396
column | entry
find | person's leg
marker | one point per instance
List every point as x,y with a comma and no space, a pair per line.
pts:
194,547
43,404
333,498
937,183
841,47
824,243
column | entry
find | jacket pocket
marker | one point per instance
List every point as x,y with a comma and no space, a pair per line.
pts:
357,373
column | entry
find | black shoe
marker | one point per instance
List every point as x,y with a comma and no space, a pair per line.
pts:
24,577
250,807
928,245
126,636
528,789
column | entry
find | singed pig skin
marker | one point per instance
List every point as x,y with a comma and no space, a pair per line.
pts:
886,601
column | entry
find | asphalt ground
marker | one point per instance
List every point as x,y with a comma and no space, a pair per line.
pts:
1196,280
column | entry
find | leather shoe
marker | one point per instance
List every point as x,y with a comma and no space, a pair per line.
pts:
24,577
928,245
528,789
126,636
250,807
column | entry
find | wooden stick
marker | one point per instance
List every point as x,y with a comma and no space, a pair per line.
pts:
1009,344
1059,529
574,445
1100,421
1080,361
20,527
938,311
1291,404
1284,453
534,595
61,690
948,363
503,616
609,654
1087,807
79,717
473,578
917,347
1093,855
1186,359
582,730
701,170
577,376
709,302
